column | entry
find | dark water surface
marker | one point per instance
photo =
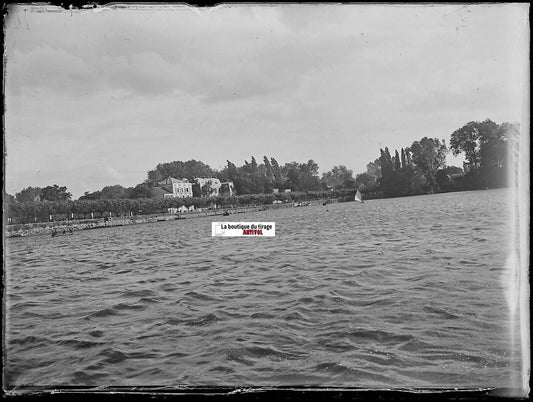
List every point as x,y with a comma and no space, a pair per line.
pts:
404,292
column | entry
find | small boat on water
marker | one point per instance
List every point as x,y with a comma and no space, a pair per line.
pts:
358,197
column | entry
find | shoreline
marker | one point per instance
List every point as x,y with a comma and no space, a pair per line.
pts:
70,226
65,228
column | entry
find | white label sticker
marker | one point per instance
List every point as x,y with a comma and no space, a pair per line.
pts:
230,229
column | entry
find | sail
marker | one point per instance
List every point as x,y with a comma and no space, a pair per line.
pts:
358,196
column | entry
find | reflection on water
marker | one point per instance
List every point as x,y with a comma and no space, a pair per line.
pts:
402,292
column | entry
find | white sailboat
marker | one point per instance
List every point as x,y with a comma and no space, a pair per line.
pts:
358,196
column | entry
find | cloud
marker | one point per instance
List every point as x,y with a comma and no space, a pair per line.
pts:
47,67
191,57
125,89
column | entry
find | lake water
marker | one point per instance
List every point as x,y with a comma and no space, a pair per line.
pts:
405,292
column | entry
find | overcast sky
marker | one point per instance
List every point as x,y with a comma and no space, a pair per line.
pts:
99,97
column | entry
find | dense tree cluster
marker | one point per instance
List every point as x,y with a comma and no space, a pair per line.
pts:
49,193
340,177
399,173
254,178
421,168
180,170
485,146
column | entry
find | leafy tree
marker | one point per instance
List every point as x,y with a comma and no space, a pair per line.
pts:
29,194
485,145
179,170
407,177
292,172
257,177
55,193
366,183
493,146
113,192
443,180
269,175
159,174
309,176
269,171
233,174
429,155
279,177
386,172
339,177
247,181
253,165
143,190
374,168
469,139
302,176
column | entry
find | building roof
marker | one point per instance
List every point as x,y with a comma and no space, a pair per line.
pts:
172,180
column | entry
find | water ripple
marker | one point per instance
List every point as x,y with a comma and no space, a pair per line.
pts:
402,292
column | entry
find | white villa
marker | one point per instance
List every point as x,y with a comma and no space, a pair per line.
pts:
176,188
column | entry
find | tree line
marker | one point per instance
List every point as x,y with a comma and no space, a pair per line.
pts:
416,169
44,211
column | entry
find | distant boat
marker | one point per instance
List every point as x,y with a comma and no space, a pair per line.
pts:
358,197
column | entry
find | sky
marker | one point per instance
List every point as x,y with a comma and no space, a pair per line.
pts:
99,97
